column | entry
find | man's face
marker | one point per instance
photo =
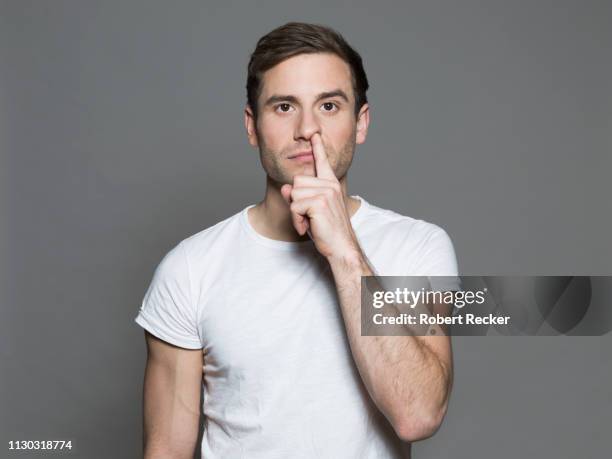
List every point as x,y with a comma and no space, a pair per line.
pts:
301,96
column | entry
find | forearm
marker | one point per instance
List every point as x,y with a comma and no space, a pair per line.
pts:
406,379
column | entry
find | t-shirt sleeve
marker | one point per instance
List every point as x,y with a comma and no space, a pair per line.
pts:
168,310
439,262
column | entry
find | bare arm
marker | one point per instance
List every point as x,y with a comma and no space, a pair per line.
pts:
408,377
172,388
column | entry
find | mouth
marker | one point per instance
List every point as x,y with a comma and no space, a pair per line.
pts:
303,156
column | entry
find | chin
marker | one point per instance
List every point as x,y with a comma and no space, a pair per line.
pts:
301,170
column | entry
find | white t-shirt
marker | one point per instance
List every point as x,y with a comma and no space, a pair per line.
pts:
279,378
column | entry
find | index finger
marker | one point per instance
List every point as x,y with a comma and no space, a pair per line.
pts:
322,166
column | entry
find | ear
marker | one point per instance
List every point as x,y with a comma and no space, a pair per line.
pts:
249,124
363,121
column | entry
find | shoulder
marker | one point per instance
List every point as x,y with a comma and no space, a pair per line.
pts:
411,244
216,236
392,223
201,245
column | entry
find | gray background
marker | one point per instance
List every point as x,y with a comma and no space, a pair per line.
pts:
121,131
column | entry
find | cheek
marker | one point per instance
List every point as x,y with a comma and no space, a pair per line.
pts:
273,134
341,134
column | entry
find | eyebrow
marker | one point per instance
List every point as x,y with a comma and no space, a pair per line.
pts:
289,98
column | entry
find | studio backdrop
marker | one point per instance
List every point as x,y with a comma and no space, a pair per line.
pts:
121,132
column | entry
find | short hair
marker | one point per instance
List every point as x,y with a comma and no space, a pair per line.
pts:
296,38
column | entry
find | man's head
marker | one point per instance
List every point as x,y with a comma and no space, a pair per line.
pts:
303,79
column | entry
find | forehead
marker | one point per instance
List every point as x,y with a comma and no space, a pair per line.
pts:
307,75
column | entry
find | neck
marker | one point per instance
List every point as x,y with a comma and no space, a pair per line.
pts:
272,218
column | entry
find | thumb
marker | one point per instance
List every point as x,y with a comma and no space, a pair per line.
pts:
286,192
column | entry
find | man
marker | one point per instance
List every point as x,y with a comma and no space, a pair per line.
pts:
264,307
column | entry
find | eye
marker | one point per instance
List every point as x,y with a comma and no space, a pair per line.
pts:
284,107
329,106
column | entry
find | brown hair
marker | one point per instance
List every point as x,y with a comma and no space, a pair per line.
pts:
296,38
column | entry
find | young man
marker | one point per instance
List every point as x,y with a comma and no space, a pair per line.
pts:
264,307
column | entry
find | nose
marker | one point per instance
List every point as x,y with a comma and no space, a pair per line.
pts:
307,126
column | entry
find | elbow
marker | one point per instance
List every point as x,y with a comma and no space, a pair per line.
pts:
419,427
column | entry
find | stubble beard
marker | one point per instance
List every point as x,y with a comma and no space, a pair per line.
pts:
280,171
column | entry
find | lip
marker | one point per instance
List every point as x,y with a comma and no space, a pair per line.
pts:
301,154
